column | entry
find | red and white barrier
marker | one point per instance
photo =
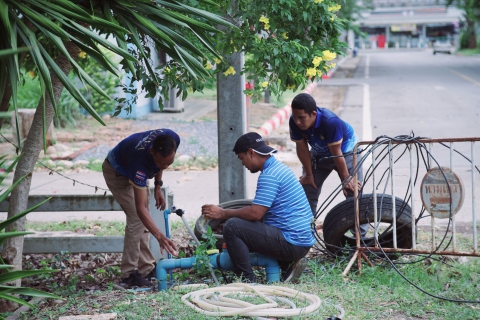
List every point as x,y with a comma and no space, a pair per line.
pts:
283,114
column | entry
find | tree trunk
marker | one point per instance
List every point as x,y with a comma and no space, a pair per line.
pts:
13,247
5,103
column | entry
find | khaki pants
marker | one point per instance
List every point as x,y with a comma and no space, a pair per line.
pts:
136,251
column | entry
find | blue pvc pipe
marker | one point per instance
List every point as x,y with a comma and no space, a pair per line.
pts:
272,269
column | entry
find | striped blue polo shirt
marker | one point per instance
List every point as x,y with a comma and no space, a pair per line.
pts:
279,190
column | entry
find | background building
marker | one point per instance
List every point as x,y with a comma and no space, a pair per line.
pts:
409,24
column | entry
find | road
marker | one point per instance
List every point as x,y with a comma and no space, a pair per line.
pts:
436,96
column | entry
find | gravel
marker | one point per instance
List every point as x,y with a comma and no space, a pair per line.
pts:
198,138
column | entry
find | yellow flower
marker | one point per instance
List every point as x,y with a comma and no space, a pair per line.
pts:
230,70
82,54
208,66
166,70
317,1
332,18
333,65
334,8
285,35
217,61
32,74
319,73
316,61
291,87
327,55
266,22
311,72
264,84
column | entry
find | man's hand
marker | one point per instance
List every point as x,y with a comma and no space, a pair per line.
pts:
211,211
308,180
166,244
159,199
350,186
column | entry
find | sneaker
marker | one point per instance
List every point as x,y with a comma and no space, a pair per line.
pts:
153,273
136,280
295,270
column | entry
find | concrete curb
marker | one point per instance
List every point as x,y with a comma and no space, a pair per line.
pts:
331,72
283,114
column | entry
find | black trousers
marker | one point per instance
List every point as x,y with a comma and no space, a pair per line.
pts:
242,236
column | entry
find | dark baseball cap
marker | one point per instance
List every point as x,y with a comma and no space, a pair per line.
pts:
252,140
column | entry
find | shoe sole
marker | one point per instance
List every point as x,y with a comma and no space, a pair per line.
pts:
297,270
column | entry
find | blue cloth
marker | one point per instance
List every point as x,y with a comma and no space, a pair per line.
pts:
279,190
132,159
329,129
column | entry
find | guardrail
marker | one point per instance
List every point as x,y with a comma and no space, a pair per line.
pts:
41,242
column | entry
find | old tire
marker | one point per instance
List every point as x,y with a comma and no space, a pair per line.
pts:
201,223
341,219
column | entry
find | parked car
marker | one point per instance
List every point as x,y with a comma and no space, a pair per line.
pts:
444,46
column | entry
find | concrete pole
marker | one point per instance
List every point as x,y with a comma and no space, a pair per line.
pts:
231,114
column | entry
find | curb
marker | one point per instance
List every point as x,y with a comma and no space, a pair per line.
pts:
331,72
283,114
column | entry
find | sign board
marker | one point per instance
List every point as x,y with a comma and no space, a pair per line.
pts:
441,188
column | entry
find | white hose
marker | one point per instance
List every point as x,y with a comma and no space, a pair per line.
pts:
202,301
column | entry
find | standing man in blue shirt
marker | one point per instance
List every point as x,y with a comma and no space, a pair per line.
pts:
126,169
331,141
277,224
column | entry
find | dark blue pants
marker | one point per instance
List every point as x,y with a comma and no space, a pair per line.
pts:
321,169
242,236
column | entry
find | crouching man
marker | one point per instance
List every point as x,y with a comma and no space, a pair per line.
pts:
277,224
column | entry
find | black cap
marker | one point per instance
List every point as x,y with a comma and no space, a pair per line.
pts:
252,140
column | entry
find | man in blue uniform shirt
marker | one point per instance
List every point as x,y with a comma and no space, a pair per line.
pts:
277,224
126,169
331,141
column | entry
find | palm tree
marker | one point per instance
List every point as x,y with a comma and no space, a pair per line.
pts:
55,32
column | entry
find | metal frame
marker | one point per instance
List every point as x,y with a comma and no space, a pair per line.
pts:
360,251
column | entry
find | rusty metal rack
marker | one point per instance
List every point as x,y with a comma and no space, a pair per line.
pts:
442,192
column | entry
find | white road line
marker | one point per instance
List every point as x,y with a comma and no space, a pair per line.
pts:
367,67
366,115
366,121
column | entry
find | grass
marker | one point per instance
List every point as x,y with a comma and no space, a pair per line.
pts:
97,228
378,293
469,52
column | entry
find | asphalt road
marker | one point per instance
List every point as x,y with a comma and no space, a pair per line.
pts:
436,96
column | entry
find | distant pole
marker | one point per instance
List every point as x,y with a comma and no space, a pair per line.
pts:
267,96
231,114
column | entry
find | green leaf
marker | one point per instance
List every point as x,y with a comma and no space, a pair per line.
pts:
70,86
19,274
11,220
29,292
30,40
104,42
40,20
9,52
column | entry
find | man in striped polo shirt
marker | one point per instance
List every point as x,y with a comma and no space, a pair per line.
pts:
277,224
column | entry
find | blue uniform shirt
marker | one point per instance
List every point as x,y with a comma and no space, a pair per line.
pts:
288,209
329,129
132,159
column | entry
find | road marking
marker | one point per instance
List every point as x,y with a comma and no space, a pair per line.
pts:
367,67
465,77
366,121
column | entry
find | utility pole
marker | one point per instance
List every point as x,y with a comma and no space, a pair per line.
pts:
231,115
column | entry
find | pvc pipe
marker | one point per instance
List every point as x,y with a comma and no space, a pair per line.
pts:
272,269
